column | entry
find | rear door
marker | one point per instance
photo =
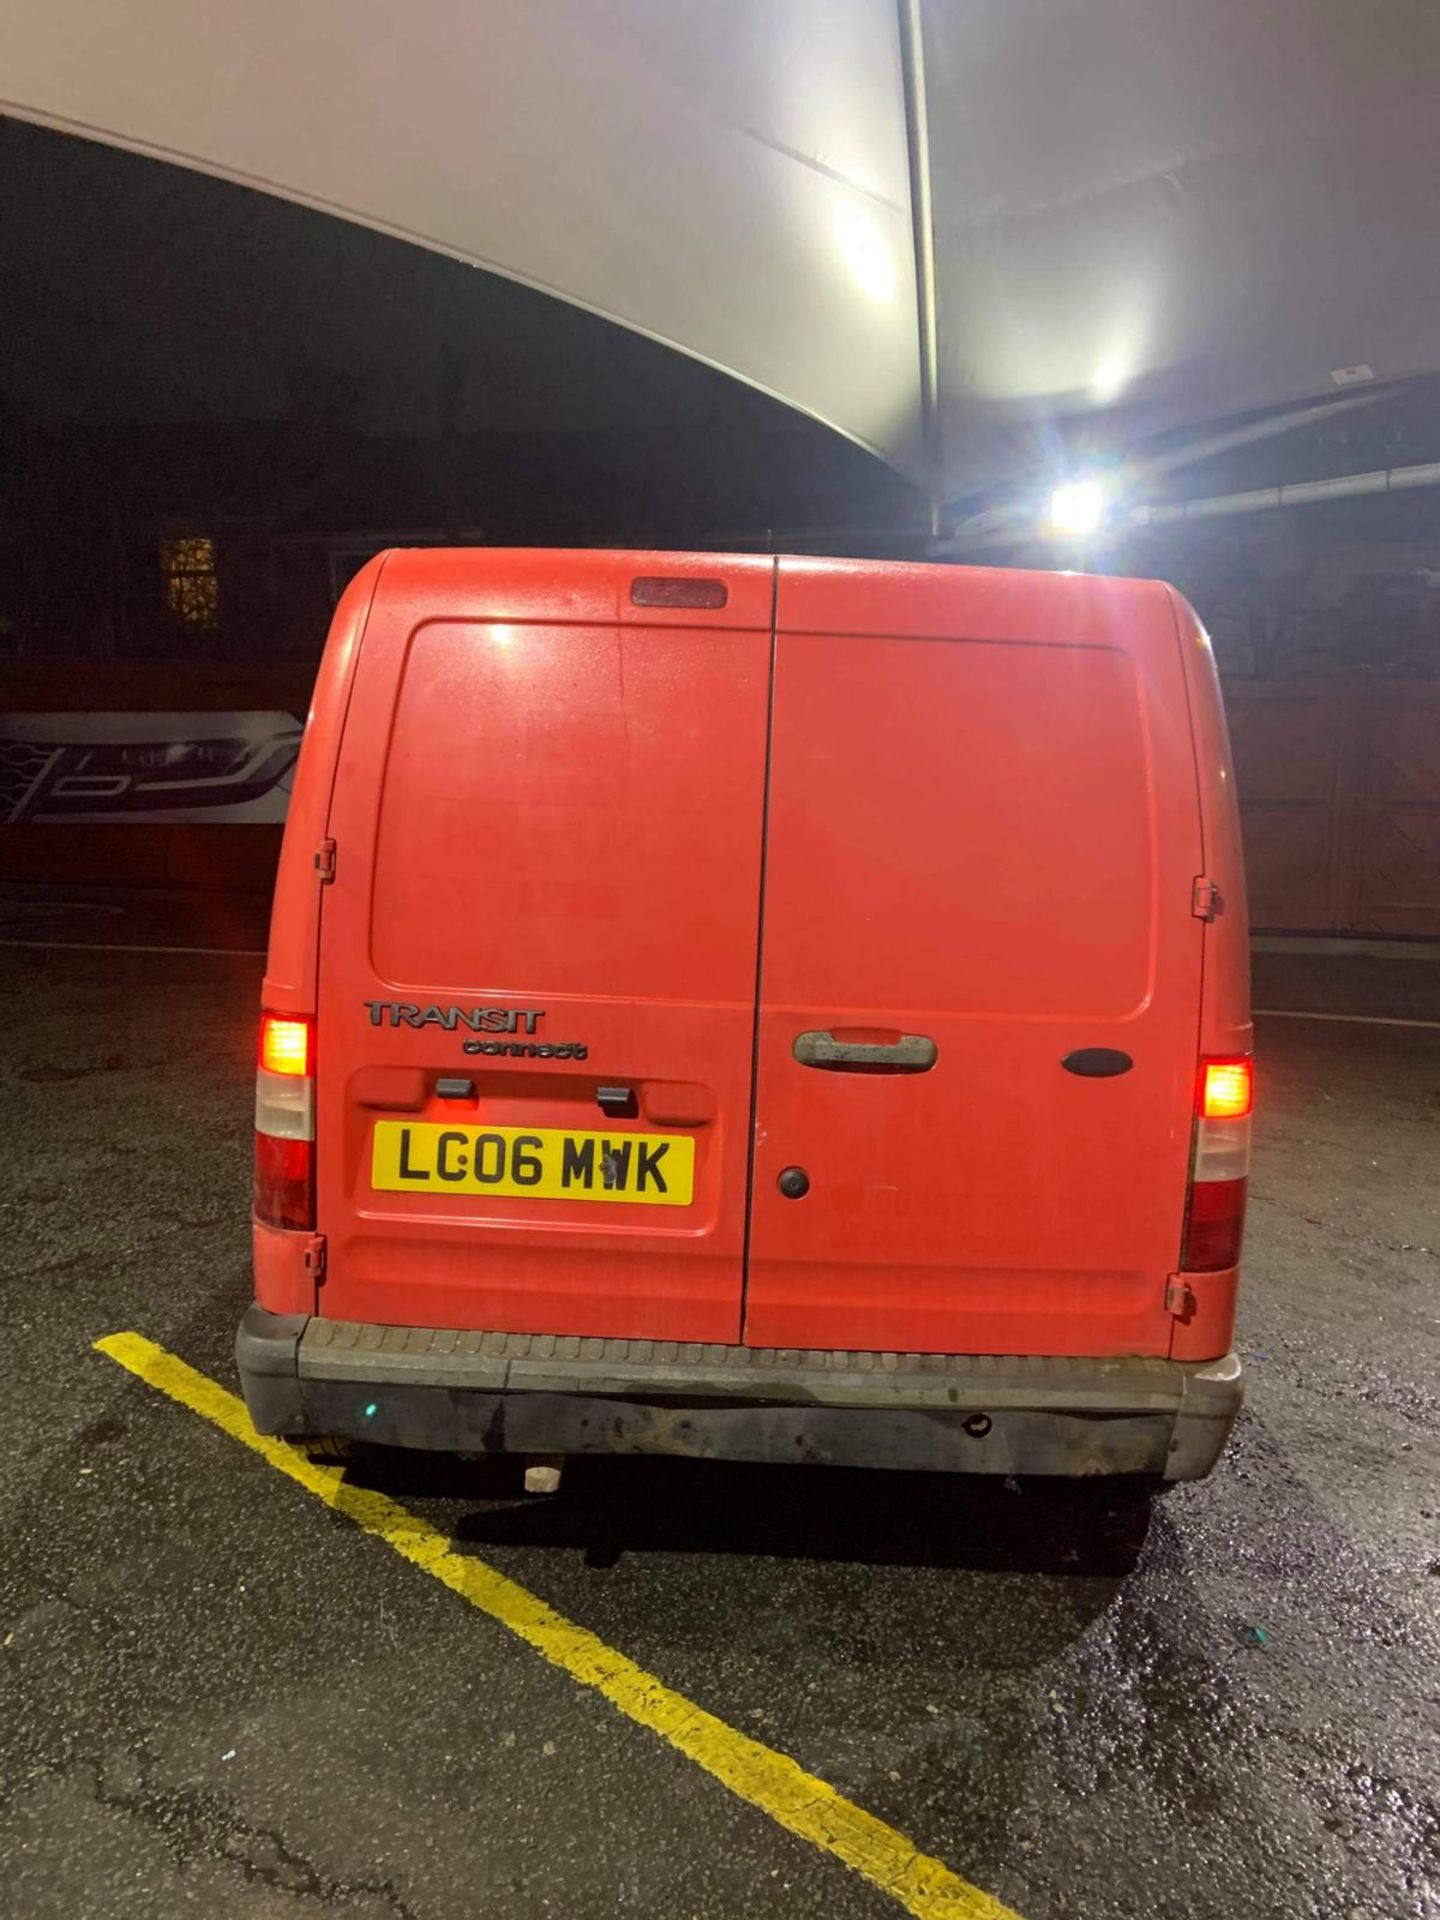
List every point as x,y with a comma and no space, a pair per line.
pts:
982,837
538,951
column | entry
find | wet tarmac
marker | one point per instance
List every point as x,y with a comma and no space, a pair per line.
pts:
220,1699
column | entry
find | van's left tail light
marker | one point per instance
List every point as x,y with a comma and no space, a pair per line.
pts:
1220,1168
285,1122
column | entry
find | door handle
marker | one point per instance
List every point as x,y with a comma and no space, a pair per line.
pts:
911,1053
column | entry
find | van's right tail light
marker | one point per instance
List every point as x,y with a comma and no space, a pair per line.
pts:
285,1122
1220,1166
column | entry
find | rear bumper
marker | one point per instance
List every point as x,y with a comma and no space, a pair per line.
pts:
532,1393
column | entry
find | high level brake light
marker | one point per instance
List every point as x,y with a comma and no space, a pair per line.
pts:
285,1123
1220,1165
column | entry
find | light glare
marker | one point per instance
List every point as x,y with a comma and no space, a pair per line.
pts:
1077,507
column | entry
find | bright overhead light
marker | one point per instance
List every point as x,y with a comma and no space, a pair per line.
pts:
1110,379
864,250
1077,507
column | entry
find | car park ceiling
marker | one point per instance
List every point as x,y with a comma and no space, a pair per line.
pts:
1146,215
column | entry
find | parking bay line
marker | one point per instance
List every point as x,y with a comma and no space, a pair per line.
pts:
1347,1019
116,946
798,1801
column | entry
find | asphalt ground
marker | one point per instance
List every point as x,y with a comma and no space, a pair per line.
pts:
219,1697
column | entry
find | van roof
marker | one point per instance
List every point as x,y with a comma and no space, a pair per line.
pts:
851,595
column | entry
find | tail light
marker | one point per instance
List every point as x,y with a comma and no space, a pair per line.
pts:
1227,1089
285,1046
285,1122
1220,1166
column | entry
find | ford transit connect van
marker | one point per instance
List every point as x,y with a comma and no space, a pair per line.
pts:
772,1010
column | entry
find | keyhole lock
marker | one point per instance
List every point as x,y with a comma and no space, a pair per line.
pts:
794,1183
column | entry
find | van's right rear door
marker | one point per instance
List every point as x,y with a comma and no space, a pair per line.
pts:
982,837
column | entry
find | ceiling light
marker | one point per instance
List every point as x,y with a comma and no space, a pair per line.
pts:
1078,507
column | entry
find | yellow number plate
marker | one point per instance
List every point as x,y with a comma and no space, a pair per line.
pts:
537,1163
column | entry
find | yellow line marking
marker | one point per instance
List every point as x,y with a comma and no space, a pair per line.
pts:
771,1781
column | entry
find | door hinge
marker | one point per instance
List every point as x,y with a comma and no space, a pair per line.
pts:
315,1257
325,859
1179,1298
1205,899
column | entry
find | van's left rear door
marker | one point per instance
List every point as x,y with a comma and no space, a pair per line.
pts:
547,819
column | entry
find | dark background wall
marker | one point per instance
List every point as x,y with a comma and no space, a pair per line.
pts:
214,406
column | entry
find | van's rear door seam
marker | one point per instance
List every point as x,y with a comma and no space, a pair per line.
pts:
759,947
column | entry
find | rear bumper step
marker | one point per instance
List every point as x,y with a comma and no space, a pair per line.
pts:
546,1393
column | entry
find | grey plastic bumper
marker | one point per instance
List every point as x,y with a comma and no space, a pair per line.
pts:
541,1393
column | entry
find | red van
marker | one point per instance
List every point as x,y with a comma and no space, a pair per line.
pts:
764,1009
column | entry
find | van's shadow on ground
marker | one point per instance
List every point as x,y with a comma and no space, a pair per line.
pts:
609,1507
